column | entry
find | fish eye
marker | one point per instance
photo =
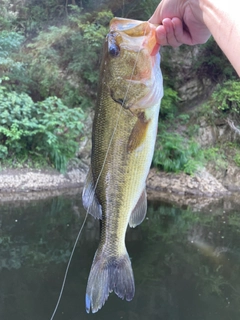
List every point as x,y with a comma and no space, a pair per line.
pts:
114,50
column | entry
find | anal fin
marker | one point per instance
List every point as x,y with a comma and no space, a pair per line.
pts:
89,199
139,212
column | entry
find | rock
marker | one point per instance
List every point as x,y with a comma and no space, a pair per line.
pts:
18,196
229,176
203,184
182,200
191,87
207,135
39,180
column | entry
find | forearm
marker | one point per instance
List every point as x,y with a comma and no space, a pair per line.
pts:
222,19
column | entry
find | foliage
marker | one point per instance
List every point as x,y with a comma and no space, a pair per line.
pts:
8,16
169,102
217,156
184,117
10,42
237,159
34,15
224,103
227,97
52,48
43,80
61,61
213,63
141,10
211,154
192,130
233,151
174,153
46,129
68,52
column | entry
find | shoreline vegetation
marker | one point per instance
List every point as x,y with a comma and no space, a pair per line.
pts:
49,64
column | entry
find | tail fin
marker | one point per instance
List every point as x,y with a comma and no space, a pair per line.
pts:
109,274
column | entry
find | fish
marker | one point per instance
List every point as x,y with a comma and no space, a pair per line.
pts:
123,138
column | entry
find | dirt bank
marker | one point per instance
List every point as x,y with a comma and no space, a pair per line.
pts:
25,184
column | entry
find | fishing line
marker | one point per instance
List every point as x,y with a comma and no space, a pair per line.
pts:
68,265
94,189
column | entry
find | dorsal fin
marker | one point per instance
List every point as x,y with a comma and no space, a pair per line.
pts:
89,199
139,212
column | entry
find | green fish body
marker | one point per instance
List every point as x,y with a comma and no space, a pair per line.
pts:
123,138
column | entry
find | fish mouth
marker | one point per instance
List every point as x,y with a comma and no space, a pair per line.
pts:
142,34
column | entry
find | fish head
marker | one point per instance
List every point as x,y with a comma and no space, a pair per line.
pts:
131,64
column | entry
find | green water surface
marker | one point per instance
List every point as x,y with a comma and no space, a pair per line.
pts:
186,263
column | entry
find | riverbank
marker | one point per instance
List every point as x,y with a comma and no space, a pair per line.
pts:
182,189
25,180
29,180
29,184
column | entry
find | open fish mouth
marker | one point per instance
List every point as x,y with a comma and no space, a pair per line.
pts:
133,43
142,31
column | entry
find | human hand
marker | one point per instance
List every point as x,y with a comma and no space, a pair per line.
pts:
181,22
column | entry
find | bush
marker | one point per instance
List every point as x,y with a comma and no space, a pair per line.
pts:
224,103
169,102
44,130
174,154
65,59
10,42
217,156
237,159
227,97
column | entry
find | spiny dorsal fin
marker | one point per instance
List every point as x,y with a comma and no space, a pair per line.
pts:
139,212
89,199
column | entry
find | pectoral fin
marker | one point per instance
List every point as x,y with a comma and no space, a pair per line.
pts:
138,133
89,199
139,212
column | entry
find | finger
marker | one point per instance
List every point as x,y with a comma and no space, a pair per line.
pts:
181,35
161,36
165,36
170,33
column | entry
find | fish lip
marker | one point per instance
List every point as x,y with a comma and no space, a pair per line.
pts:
155,50
121,24
142,32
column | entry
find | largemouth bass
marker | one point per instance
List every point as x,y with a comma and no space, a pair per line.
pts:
123,138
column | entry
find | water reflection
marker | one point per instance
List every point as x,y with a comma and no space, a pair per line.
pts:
186,264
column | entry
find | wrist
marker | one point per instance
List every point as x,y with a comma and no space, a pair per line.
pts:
198,9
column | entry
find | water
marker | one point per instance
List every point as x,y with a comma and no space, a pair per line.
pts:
186,264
